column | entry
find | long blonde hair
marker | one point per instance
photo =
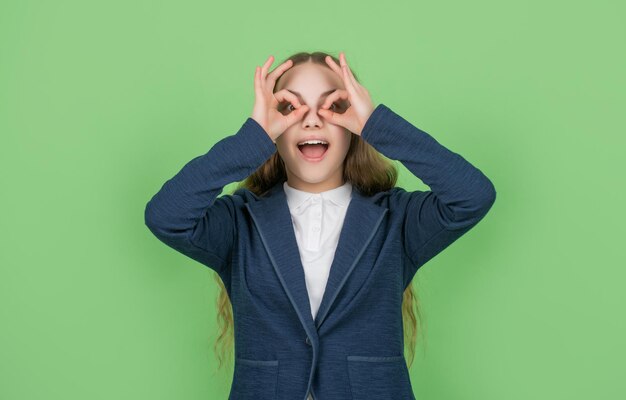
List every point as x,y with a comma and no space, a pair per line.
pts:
366,169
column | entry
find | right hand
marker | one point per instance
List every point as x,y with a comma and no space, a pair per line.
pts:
265,111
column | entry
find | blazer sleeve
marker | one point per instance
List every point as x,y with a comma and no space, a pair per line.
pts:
186,213
460,195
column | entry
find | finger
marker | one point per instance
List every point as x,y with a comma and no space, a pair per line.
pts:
266,66
345,63
297,115
340,70
346,67
332,117
347,82
275,74
339,94
257,79
286,95
333,65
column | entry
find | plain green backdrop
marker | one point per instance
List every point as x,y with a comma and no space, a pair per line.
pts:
102,101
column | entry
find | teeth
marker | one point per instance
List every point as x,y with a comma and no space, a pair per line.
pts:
312,142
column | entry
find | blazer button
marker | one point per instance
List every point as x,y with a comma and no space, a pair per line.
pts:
308,341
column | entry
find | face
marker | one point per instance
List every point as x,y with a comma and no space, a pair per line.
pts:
310,82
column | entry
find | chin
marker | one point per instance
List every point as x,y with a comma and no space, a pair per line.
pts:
313,178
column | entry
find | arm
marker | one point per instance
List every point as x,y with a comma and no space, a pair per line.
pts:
460,194
186,213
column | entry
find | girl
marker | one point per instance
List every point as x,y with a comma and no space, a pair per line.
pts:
316,250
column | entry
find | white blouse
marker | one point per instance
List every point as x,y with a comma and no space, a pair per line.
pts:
317,220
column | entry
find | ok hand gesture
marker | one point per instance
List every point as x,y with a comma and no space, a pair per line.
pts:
361,106
265,110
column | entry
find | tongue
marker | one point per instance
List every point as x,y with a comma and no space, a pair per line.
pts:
313,150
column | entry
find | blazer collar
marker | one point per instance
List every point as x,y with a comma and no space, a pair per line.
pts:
272,218
339,195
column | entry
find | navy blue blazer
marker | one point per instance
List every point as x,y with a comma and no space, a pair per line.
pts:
354,347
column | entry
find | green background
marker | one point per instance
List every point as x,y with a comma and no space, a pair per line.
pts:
102,101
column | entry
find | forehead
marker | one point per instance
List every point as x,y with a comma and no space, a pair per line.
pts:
309,79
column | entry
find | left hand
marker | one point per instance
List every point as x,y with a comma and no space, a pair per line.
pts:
361,105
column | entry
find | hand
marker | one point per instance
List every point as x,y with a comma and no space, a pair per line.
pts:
265,110
361,106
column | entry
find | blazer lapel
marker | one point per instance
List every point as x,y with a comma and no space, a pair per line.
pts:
361,222
272,218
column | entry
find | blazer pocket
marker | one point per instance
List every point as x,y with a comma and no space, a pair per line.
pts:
379,378
254,379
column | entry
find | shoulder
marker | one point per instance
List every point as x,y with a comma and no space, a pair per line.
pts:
240,197
398,198
245,195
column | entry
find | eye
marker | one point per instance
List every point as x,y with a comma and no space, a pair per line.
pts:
338,107
285,107
288,107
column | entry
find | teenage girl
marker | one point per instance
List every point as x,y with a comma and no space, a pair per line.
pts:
316,250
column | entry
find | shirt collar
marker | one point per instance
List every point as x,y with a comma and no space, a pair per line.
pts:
340,195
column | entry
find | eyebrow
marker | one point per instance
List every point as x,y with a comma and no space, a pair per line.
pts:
326,93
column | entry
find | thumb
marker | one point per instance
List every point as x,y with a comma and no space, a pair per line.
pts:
332,117
295,116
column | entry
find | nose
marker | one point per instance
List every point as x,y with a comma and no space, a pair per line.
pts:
312,118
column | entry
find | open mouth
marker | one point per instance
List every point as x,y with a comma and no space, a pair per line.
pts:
313,152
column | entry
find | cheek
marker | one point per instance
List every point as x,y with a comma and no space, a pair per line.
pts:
344,142
281,143
284,155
